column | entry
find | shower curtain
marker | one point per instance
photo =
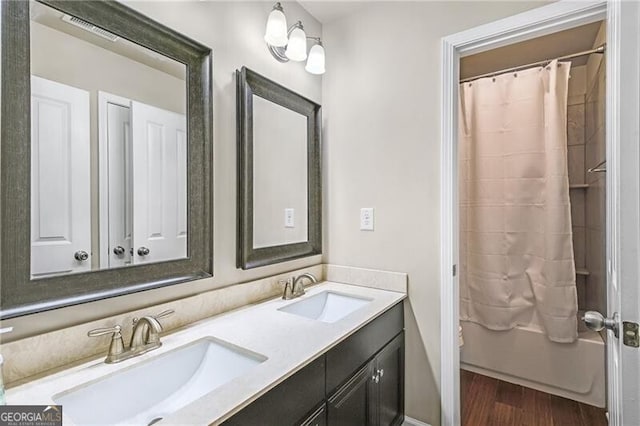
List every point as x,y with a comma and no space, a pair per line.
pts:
516,250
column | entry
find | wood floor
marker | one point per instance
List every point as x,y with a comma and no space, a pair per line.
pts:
491,402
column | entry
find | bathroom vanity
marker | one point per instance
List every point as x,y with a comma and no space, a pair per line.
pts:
359,381
332,356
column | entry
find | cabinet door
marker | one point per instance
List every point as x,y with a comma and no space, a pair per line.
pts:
389,366
353,404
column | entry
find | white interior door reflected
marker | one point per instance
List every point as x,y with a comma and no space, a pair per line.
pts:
159,184
60,180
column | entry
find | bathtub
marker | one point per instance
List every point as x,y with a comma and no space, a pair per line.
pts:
526,357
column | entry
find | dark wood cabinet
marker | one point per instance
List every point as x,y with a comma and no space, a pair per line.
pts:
360,382
375,395
352,403
287,403
351,354
389,367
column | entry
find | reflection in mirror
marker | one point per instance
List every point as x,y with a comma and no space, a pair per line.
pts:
109,149
279,175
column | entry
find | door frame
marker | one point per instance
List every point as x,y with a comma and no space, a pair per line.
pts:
104,99
535,23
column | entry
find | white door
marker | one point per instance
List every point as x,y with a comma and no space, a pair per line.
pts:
159,184
60,180
623,211
120,186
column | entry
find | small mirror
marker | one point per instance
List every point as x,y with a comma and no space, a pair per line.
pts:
279,164
108,149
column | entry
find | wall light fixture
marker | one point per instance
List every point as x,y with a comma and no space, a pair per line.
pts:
291,44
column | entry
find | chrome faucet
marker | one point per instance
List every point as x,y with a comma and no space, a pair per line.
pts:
293,286
298,288
146,332
144,338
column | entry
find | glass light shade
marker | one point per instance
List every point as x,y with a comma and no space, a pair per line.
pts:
276,32
297,47
315,62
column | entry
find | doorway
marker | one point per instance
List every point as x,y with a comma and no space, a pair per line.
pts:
532,244
529,25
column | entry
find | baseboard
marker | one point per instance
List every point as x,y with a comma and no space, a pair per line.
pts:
408,421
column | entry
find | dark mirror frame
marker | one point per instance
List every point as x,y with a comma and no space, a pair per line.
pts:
20,295
249,83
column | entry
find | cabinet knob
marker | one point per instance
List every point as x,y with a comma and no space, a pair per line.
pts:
118,251
381,372
375,378
143,251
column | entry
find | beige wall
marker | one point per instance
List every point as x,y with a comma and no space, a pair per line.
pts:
381,146
69,60
234,31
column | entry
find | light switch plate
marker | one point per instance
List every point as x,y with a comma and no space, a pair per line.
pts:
366,219
289,220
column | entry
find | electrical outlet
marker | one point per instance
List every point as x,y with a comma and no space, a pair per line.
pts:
366,219
289,218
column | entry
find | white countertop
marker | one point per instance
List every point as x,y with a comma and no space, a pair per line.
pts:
288,341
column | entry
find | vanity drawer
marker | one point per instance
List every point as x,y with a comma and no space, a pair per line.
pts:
288,402
346,358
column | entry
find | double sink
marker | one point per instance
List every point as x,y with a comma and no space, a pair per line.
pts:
146,392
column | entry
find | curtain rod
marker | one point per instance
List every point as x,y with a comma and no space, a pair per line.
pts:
600,49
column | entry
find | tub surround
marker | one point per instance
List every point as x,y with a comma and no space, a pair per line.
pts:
526,357
595,198
288,341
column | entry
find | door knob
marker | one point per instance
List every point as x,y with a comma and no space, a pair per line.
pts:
143,251
118,251
81,255
596,321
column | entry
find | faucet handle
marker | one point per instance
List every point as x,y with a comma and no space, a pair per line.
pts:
116,348
162,314
102,331
288,289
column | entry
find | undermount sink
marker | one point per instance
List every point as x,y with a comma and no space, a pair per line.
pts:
145,393
327,306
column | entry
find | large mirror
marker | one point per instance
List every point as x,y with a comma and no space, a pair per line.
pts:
108,149
279,203
105,154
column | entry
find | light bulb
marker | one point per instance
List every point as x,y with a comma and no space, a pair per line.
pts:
276,32
297,47
315,62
